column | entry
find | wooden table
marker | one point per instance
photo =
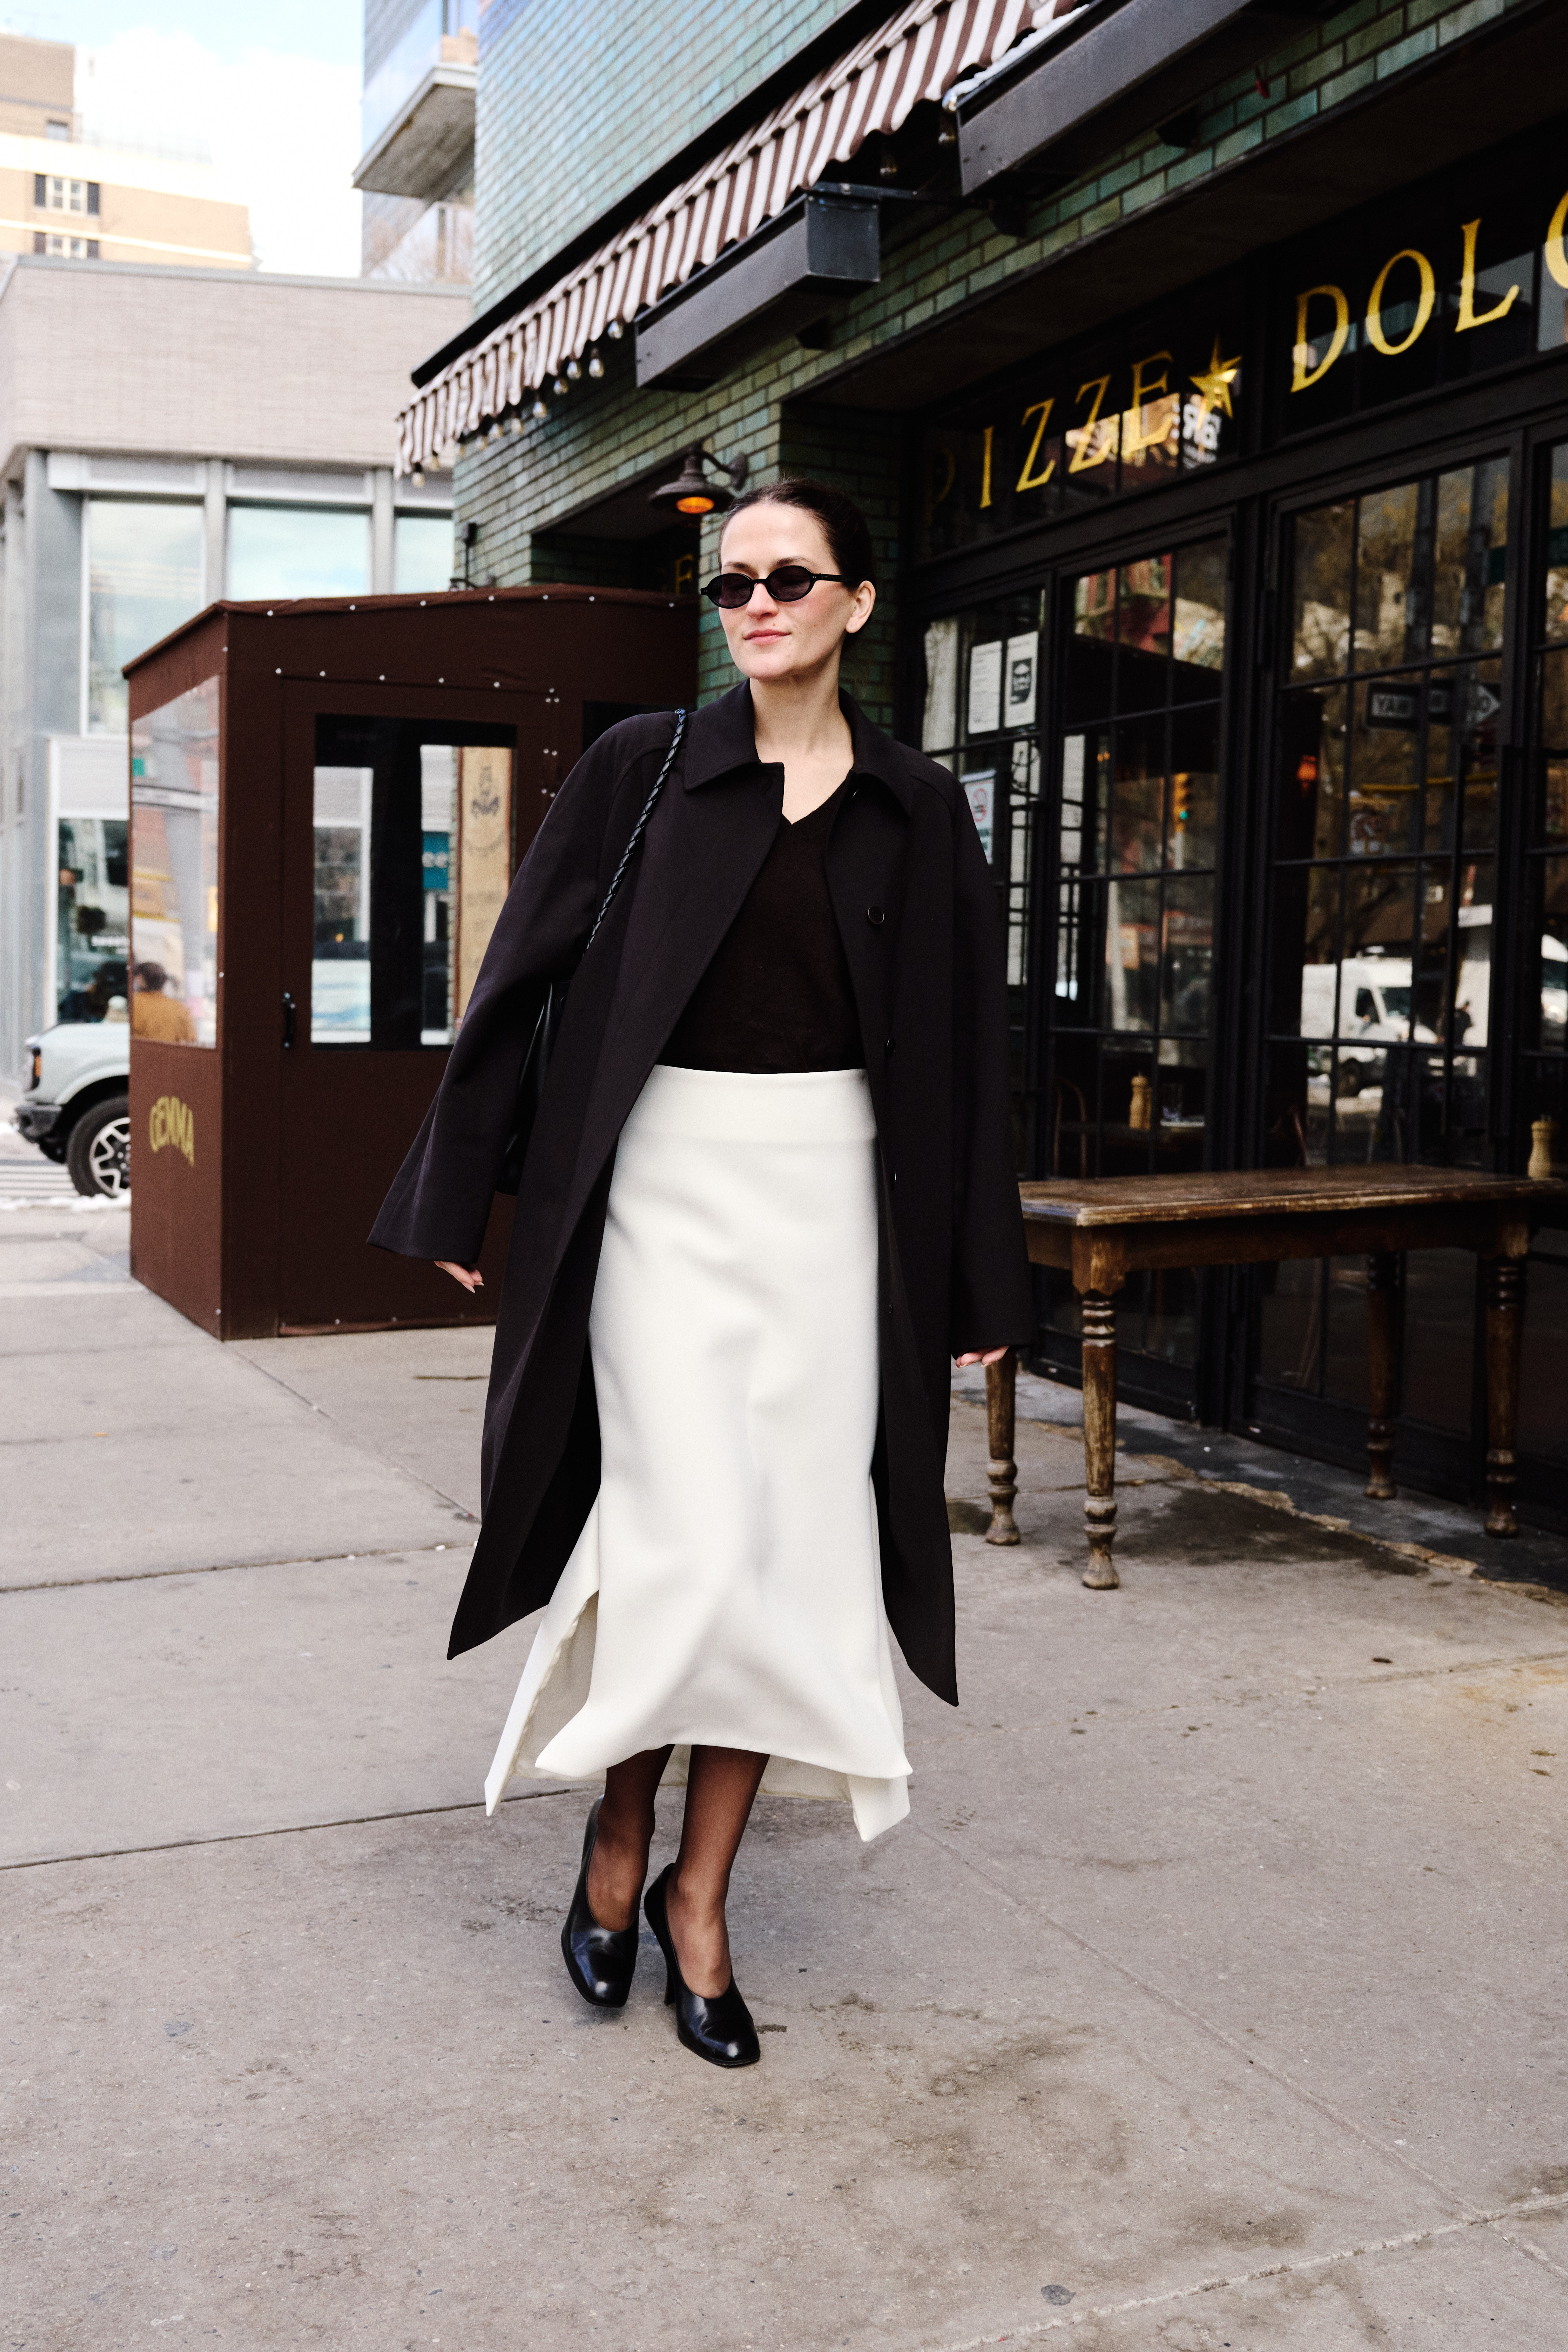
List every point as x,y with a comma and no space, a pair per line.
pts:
1099,1232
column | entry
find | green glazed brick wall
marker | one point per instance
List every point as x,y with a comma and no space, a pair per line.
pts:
580,100
606,433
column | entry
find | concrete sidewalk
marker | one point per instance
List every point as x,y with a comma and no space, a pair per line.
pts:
1159,2038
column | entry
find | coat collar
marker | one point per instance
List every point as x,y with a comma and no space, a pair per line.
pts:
719,739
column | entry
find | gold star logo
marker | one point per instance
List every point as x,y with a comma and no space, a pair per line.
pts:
1216,383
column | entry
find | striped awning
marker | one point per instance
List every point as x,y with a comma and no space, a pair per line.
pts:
920,53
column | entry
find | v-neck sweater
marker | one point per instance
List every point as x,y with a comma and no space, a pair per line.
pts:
777,995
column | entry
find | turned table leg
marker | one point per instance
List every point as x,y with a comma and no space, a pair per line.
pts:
1382,1309
1001,1395
1100,1437
1505,1331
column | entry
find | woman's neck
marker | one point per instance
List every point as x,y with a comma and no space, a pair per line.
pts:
797,721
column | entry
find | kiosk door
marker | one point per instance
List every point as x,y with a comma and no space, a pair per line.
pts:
403,828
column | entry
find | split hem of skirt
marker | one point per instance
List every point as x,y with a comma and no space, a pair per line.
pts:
726,1587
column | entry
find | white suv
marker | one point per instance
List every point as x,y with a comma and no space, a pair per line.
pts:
77,1107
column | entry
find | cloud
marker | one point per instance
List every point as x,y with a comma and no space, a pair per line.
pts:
281,134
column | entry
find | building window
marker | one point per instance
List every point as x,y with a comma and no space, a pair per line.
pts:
69,249
1137,839
1543,1404
422,553
298,552
1377,991
1385,820
144,577
55,129
61,195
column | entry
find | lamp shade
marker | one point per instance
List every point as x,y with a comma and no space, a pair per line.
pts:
691,492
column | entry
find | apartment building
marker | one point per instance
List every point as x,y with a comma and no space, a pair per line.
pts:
416,173
79,201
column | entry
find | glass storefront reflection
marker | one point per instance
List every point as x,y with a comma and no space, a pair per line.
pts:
1136,838
92,919
1385,812
174,792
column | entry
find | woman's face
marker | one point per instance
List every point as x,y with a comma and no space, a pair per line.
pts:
768,640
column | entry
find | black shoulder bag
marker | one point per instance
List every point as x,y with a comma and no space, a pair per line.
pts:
536,1060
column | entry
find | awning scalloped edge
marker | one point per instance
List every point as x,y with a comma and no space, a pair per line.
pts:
919,54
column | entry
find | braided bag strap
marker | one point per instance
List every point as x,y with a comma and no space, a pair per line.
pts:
637,830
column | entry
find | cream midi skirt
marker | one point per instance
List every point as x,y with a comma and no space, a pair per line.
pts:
726,1589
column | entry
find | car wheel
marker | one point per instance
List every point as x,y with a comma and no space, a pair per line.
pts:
99,1152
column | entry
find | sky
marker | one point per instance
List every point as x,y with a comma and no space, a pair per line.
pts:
271,93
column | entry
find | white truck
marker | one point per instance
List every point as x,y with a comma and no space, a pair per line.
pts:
77,1106
1373,1011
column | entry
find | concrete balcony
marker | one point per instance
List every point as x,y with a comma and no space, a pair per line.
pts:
427,148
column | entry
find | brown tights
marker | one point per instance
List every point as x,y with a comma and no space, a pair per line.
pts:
720,1785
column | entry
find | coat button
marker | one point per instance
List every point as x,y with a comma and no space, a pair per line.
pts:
893,1180
875,917
887,1045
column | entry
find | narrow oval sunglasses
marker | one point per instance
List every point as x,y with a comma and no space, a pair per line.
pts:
788,585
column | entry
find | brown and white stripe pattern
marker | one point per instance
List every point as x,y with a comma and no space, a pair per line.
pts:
920,53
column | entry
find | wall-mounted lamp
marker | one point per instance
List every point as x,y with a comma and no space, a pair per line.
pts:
691,493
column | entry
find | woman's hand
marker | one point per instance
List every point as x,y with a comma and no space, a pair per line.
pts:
989,1357
469,1276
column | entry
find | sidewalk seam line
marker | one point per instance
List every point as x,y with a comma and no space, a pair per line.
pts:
285,1829
373,1451
1272,2269
1217,2032
222,1568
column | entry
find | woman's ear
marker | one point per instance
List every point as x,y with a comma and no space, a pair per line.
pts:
864,601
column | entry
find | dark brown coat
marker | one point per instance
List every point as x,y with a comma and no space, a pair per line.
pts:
918,919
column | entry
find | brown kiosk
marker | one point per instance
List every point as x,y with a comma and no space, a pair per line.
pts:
328,801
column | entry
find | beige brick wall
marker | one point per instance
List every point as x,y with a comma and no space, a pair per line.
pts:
209,363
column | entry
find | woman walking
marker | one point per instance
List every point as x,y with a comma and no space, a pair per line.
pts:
768,1193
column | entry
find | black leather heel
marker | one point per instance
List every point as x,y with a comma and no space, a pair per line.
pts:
719,2028
600,1961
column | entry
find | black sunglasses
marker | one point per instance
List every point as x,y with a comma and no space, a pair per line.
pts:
788,585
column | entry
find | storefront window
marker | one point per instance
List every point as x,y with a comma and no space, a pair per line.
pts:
1385,808
1137,842
1544,1391
297,551
144,577
1379,983
93,920
422,554
175,788
981,718
413,844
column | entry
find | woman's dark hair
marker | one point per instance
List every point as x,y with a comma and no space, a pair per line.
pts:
847,530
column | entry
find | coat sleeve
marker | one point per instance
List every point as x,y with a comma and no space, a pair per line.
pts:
991,1292
440,1200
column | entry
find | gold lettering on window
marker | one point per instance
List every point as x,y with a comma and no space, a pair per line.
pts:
1138,434
1375,328
1468,317
940,459
1556,260
1029,479
985,465
1094,427
1308,369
